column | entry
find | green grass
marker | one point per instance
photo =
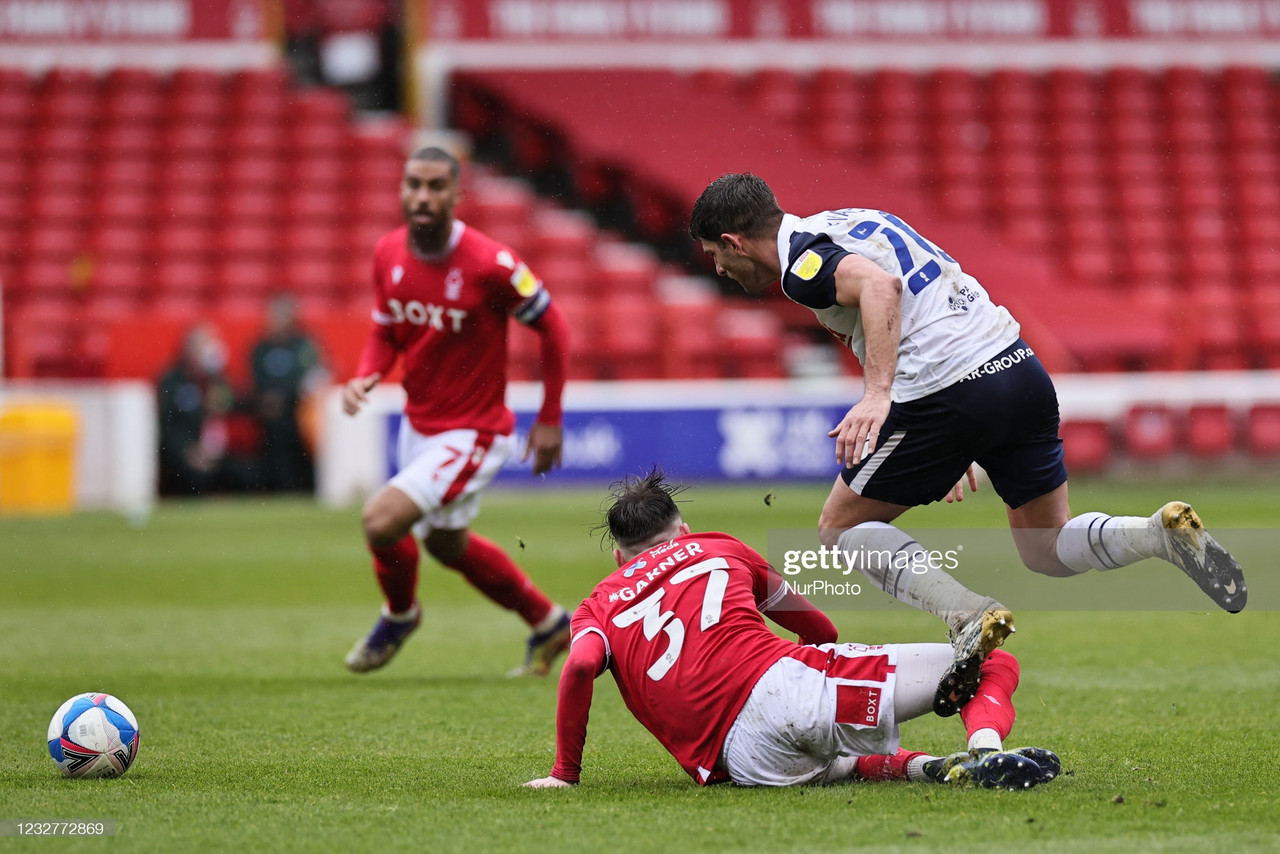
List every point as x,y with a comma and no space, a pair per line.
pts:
223,625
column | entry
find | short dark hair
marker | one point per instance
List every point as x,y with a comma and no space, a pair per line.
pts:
436,153
737,203
643,506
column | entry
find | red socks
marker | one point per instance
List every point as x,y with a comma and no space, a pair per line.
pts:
397,570
483,564
879,767
992,708
494,574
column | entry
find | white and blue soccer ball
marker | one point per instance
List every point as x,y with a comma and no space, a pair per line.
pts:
93,735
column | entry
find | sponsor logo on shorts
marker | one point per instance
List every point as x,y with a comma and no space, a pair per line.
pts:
807,265
858,705
1000,363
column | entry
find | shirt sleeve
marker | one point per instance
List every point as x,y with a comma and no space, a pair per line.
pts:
810,277
790,610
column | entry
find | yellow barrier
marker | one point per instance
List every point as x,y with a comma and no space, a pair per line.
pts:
37,458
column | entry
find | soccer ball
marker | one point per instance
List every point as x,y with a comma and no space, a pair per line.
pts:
93,735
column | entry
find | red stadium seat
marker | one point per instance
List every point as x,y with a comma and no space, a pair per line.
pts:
120,238
318,206
66,141
1129,91
1213,328
263,135
1087,444
955,94
779,94
55,241
1211,431
121,278
625,269
314,240
184,143
752,342
243,277
184,241
124,207
199,106
255,171
179,278
1263,311
1150,432
560,233
316,276
629,339
136,107
1262,430
130,141
1015,94
692,345
247,206
1072,92
248,239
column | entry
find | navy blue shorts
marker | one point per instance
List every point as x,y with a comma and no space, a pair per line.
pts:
1003,416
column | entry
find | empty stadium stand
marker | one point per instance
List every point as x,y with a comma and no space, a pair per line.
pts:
133,202
1129,218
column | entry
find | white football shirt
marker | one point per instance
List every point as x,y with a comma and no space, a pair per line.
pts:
950,326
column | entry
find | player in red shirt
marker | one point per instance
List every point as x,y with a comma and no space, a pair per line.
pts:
443,293
679,625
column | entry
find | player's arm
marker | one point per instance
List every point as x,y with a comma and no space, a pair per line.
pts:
878,296
379,353
546,436
577,683
779,602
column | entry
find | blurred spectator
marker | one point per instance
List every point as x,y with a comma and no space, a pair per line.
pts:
286,368
196,406
352,44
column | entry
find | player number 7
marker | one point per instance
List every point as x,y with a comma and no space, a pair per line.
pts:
656,620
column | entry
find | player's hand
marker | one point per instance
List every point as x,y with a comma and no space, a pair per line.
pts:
355,393
857,432
545,446
548,783
957,492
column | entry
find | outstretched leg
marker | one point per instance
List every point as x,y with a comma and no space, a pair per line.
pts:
1052,542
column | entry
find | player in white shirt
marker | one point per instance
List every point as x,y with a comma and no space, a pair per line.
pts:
948,382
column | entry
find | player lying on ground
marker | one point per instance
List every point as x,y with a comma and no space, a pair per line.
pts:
679,625
948,382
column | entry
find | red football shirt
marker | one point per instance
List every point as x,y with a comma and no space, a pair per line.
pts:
686,642
446,317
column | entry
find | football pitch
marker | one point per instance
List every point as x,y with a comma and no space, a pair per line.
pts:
223,625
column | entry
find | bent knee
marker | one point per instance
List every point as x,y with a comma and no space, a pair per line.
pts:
382,528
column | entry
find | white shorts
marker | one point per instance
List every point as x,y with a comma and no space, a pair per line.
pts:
803,724
444,473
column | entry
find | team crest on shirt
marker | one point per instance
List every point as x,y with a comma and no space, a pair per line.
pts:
453,284
397,273
807,265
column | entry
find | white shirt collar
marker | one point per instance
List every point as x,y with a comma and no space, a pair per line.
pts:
788,228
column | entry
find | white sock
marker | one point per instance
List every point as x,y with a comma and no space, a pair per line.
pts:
894,562
406,617
1102,542
985,739
548,622
915,768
